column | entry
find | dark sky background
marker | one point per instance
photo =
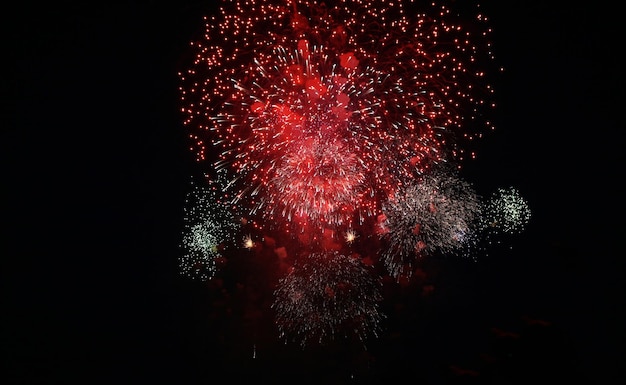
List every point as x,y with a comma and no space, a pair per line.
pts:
97,167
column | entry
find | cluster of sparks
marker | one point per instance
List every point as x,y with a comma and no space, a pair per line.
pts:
209,228
439,214
506,211
335,116
325,296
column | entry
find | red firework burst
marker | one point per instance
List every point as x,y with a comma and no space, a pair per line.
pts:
321,112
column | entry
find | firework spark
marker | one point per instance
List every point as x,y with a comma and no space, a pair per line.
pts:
321,111
327,296
209,227
506,211
439,214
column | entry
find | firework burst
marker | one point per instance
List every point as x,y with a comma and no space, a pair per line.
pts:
506,211
209,227
439,214
322,110
328,183
327,296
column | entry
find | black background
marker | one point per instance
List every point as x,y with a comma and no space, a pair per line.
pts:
97,167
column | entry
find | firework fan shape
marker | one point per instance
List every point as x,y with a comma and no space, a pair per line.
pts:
439,214
387,91
209,228
327,296
506,211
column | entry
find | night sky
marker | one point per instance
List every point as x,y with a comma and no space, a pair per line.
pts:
97,167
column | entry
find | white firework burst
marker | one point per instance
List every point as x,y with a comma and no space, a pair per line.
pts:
209,228
506,211
326,296
437,214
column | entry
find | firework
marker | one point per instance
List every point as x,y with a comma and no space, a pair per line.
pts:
209,227
328,182
506,211
438,214
320,111
327,296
